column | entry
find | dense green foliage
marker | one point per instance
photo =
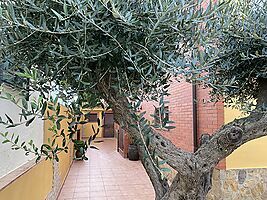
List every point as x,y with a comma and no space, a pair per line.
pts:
133,45
236,48
133,48
69,47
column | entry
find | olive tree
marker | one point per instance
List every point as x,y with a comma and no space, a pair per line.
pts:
126,51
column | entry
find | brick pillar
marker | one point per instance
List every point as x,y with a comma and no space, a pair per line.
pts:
210,116
126,143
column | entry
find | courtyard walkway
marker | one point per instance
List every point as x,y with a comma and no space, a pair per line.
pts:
107,176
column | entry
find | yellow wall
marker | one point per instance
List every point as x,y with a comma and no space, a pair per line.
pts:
249,155
33,185
230,114
87,130
36,183
65,159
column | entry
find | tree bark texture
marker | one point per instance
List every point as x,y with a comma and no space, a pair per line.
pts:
194,170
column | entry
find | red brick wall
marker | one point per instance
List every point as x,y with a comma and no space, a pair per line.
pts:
118,130
180,108
210,116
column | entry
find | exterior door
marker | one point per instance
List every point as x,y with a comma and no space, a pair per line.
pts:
120,139
109,125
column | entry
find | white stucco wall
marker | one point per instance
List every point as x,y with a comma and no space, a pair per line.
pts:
12,159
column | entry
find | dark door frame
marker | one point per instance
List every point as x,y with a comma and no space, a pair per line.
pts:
107,113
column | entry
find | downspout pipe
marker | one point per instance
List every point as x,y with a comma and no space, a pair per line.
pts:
195,121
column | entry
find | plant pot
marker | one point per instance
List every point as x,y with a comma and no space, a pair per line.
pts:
78,155
133,152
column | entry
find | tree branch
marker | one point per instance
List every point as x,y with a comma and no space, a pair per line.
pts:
160,185
236,133
177,158
230,137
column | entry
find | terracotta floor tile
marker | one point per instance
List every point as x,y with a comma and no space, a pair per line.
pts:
95,179
65,198
112,187
81,189
94,194
148,197
97,188
84,194
96,183
98,198
66,195
83,181
118,198
111,182
114,193
107,176
82,185
67,190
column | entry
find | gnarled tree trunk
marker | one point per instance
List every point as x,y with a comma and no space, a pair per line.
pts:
194,170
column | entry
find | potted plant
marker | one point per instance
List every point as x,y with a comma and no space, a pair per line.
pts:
81,147
133,153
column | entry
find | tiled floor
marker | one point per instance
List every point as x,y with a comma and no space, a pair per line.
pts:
107,176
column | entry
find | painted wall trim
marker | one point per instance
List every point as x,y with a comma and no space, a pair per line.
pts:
18,172
63,182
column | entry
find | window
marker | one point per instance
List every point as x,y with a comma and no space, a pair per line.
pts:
91,117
